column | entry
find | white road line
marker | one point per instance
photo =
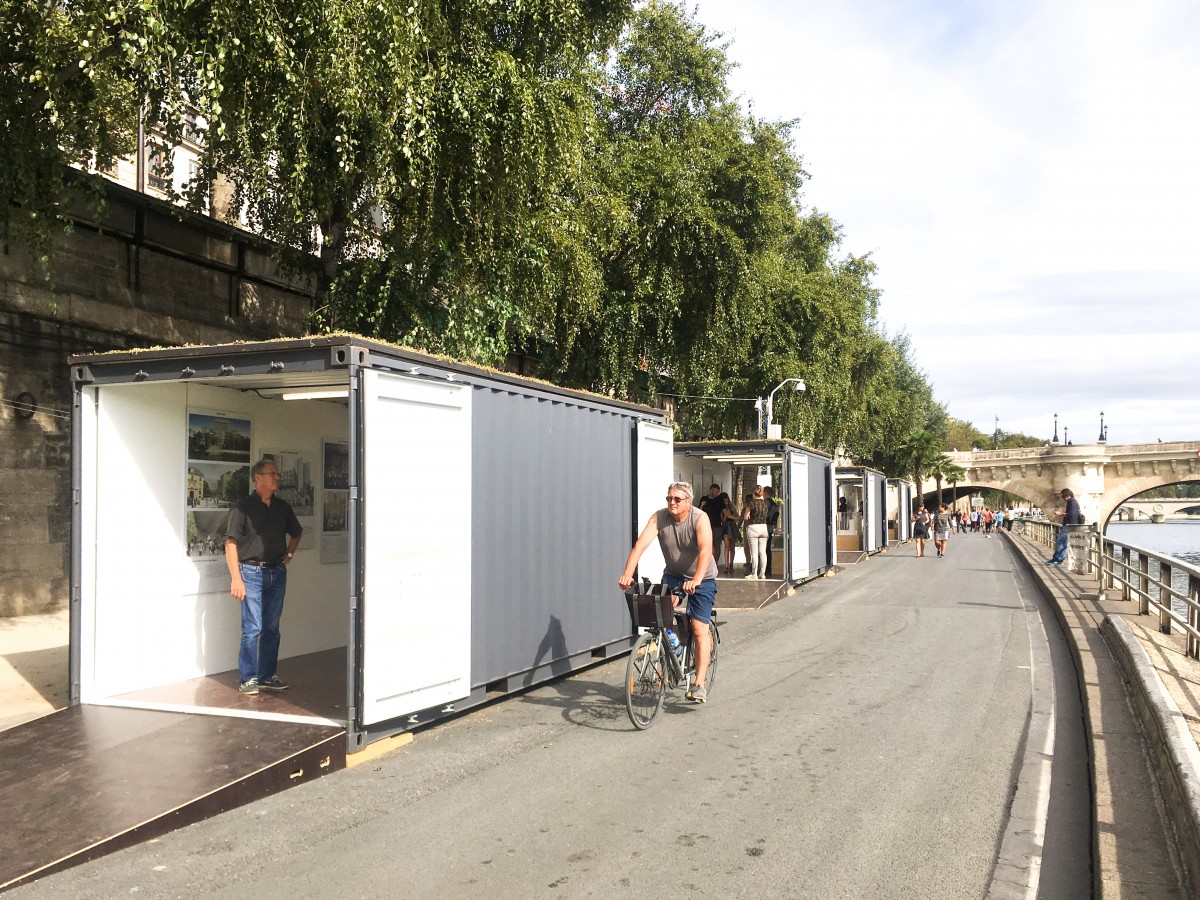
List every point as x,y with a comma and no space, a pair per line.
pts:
1019,865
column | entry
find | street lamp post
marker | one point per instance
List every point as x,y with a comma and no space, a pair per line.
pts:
1103,433
1054,440
800,388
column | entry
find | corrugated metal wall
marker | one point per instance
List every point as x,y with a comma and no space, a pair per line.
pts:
552,525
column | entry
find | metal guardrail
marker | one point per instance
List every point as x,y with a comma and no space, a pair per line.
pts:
1137,573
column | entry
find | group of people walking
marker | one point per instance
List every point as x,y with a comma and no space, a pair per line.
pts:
942,523
751,526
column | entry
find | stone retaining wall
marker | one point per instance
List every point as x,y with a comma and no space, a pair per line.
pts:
143,275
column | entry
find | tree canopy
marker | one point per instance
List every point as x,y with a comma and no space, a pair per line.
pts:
569,180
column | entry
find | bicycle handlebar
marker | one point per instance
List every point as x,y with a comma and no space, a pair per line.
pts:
645,585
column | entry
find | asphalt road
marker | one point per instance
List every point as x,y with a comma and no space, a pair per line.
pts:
862,741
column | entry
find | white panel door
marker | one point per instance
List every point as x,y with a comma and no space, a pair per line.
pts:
655,468
416,490
798,566
870,515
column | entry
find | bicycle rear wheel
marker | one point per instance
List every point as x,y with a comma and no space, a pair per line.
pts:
645,680
713,639
710,676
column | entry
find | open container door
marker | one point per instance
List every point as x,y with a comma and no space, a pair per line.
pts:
798,563
416,489
655,465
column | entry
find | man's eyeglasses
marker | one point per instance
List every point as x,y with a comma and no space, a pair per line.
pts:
671,499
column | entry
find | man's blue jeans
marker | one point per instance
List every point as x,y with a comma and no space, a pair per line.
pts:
1060,548
262,609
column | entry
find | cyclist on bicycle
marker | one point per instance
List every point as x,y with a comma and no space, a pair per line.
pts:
685,536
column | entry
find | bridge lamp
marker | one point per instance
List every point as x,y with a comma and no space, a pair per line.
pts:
800,387
1054,440
1103,433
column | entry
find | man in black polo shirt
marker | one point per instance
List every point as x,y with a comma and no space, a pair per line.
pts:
713,506
260,540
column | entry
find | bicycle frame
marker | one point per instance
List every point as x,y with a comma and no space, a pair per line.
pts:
678,672
653,669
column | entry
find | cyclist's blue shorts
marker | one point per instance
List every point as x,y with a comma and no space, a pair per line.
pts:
700,603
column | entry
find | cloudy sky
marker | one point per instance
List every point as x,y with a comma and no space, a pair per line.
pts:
1026,176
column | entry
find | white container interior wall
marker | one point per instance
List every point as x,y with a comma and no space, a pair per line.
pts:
851,511
702,474
142,622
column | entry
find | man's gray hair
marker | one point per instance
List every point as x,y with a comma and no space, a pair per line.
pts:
262,464
684,487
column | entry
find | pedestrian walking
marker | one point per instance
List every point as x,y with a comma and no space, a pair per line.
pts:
941,530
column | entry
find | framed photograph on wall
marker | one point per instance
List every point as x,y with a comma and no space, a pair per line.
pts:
335,501
298,473
217,475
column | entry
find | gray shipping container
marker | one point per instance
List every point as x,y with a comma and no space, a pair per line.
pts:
862,520
464,528
805,487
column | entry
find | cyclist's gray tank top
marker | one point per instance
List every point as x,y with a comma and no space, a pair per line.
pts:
678,543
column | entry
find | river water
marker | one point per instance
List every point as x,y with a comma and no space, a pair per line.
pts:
1178,539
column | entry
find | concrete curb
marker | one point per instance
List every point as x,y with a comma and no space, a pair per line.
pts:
1019,862
1077,660
1176,757
1128,859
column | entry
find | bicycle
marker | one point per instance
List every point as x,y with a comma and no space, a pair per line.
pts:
653,667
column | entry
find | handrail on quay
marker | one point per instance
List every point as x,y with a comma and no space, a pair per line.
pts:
1158,582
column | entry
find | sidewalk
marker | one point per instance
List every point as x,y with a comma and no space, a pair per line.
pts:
33,667
1142,710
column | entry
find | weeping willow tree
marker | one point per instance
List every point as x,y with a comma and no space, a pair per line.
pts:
569,180
408,146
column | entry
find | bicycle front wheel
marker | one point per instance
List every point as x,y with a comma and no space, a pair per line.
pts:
645,680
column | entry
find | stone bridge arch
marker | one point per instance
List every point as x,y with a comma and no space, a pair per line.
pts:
1011,486
1127,489
1101,476
1146,509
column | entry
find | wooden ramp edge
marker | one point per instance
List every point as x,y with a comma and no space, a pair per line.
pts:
90,780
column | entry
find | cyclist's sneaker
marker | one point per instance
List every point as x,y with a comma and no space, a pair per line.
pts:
249,686
698,694
274,683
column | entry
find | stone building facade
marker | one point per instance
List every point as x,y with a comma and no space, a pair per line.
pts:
145,274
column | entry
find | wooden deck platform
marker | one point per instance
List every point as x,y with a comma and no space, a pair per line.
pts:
88,780
735,592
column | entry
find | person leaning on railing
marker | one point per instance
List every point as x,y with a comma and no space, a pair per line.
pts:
1071,515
